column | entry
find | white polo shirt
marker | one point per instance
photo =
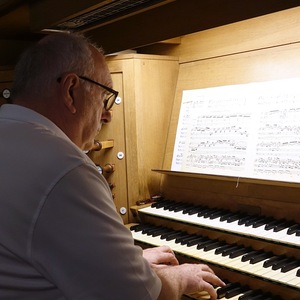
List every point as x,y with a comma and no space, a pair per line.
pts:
60,235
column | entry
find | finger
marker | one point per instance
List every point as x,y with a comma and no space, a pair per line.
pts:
166,248
210,290
206,268
172,260
212,279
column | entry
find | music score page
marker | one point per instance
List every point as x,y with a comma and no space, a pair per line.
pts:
247,130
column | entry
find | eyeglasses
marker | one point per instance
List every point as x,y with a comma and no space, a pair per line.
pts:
110,98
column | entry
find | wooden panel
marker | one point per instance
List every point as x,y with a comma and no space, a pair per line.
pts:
154,100
257,33
181,17
140,128
275,61
251,198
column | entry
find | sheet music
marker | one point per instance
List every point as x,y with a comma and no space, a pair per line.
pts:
247,130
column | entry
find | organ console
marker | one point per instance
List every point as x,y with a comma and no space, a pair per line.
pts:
246,229
258,254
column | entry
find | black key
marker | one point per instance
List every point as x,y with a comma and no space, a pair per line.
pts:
197,241
252,220
238,252
244,219
196,210
211,211
278,265
260,257
236,291
226,216
134,228
223,290
161,231
290,266
141,227
273,224
182,238
271,261
160,204
170,205
228,250
150,231
217,214
165,234
202,245
249,295
298,273
213,245
259,296
293,229
146,229
222,248
282,226
180,207
189,208
203,211
261,222
250,255
176,206
172,235
234,217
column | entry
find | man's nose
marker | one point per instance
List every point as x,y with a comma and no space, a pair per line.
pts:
106,116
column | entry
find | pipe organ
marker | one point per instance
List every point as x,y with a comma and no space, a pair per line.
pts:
247,230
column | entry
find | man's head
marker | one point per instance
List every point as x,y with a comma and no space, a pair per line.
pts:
57,77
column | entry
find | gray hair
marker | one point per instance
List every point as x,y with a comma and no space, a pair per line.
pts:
41,65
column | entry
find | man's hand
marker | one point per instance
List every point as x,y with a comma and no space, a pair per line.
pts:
187,279
160,256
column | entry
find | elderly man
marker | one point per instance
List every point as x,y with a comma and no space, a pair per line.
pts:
60,236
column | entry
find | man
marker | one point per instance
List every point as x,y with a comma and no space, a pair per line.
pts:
60,236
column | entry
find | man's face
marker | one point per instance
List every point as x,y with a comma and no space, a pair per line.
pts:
94,113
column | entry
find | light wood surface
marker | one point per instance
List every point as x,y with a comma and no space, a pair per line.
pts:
260,49
139,125
248,51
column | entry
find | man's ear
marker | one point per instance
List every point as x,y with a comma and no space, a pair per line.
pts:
69,83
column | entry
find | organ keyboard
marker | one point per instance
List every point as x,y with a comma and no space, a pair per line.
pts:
280,269
235,291
234,255
267,228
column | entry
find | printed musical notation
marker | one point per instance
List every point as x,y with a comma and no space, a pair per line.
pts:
247,130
